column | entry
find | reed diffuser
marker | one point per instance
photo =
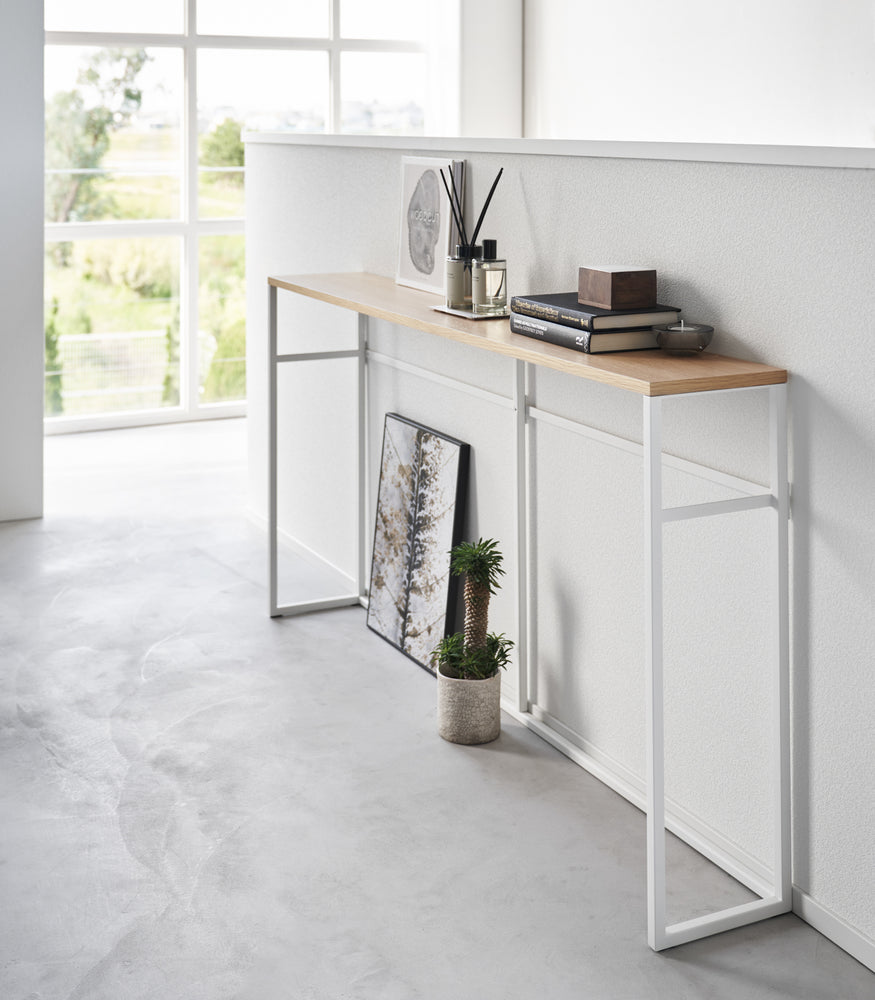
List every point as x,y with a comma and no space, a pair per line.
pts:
460,263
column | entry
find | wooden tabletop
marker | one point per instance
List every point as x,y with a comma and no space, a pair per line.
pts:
650,373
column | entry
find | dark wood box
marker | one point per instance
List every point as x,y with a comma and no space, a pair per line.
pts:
617,287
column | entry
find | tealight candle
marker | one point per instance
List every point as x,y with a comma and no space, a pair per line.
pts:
683,337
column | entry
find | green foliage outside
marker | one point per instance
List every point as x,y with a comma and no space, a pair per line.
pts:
116,298
222,316
146,267
170,393
221,192
226,378
114,287
223,147
79,124
54,404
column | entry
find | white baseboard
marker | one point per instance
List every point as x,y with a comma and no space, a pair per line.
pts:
839,931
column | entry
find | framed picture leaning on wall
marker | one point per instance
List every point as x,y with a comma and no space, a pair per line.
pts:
428,231
420,513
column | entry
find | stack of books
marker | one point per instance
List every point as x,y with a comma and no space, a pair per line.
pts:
562,318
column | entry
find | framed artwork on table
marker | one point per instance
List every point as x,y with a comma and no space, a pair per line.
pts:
420,512
428,231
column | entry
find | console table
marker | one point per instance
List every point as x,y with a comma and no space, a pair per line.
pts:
655,377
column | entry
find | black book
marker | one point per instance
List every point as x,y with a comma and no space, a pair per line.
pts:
629,339
563,308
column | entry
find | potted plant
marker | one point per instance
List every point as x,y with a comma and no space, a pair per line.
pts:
468,664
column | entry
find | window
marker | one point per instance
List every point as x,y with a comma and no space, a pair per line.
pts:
145,107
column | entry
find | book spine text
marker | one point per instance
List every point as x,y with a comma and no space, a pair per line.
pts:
539,310
552,333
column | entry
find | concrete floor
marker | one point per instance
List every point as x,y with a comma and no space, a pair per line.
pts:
201,803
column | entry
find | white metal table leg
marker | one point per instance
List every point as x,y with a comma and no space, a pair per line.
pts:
654,673
274,360
362,534
520,404
780,488
272,444
778,900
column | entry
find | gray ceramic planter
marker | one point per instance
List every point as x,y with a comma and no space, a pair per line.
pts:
469,712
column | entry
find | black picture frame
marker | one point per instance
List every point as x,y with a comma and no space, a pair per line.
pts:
420,516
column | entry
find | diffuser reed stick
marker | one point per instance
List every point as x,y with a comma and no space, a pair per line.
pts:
486,205
457,215
462,230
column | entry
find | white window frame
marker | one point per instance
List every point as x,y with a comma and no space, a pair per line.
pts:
189,227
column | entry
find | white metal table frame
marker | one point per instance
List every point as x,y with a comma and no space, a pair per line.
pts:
275,360
777,898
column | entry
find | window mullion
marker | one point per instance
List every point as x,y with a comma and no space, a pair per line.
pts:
108,39
188,347
114,39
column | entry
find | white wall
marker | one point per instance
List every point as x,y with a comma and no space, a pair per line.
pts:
21,261
476,49
491,56
779,259
784,71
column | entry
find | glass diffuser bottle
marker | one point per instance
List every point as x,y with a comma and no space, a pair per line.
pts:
489,282
460,264
458,276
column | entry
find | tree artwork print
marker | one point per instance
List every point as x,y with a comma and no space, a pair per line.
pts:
423,477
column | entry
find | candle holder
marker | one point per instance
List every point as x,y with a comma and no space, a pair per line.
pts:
683,337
